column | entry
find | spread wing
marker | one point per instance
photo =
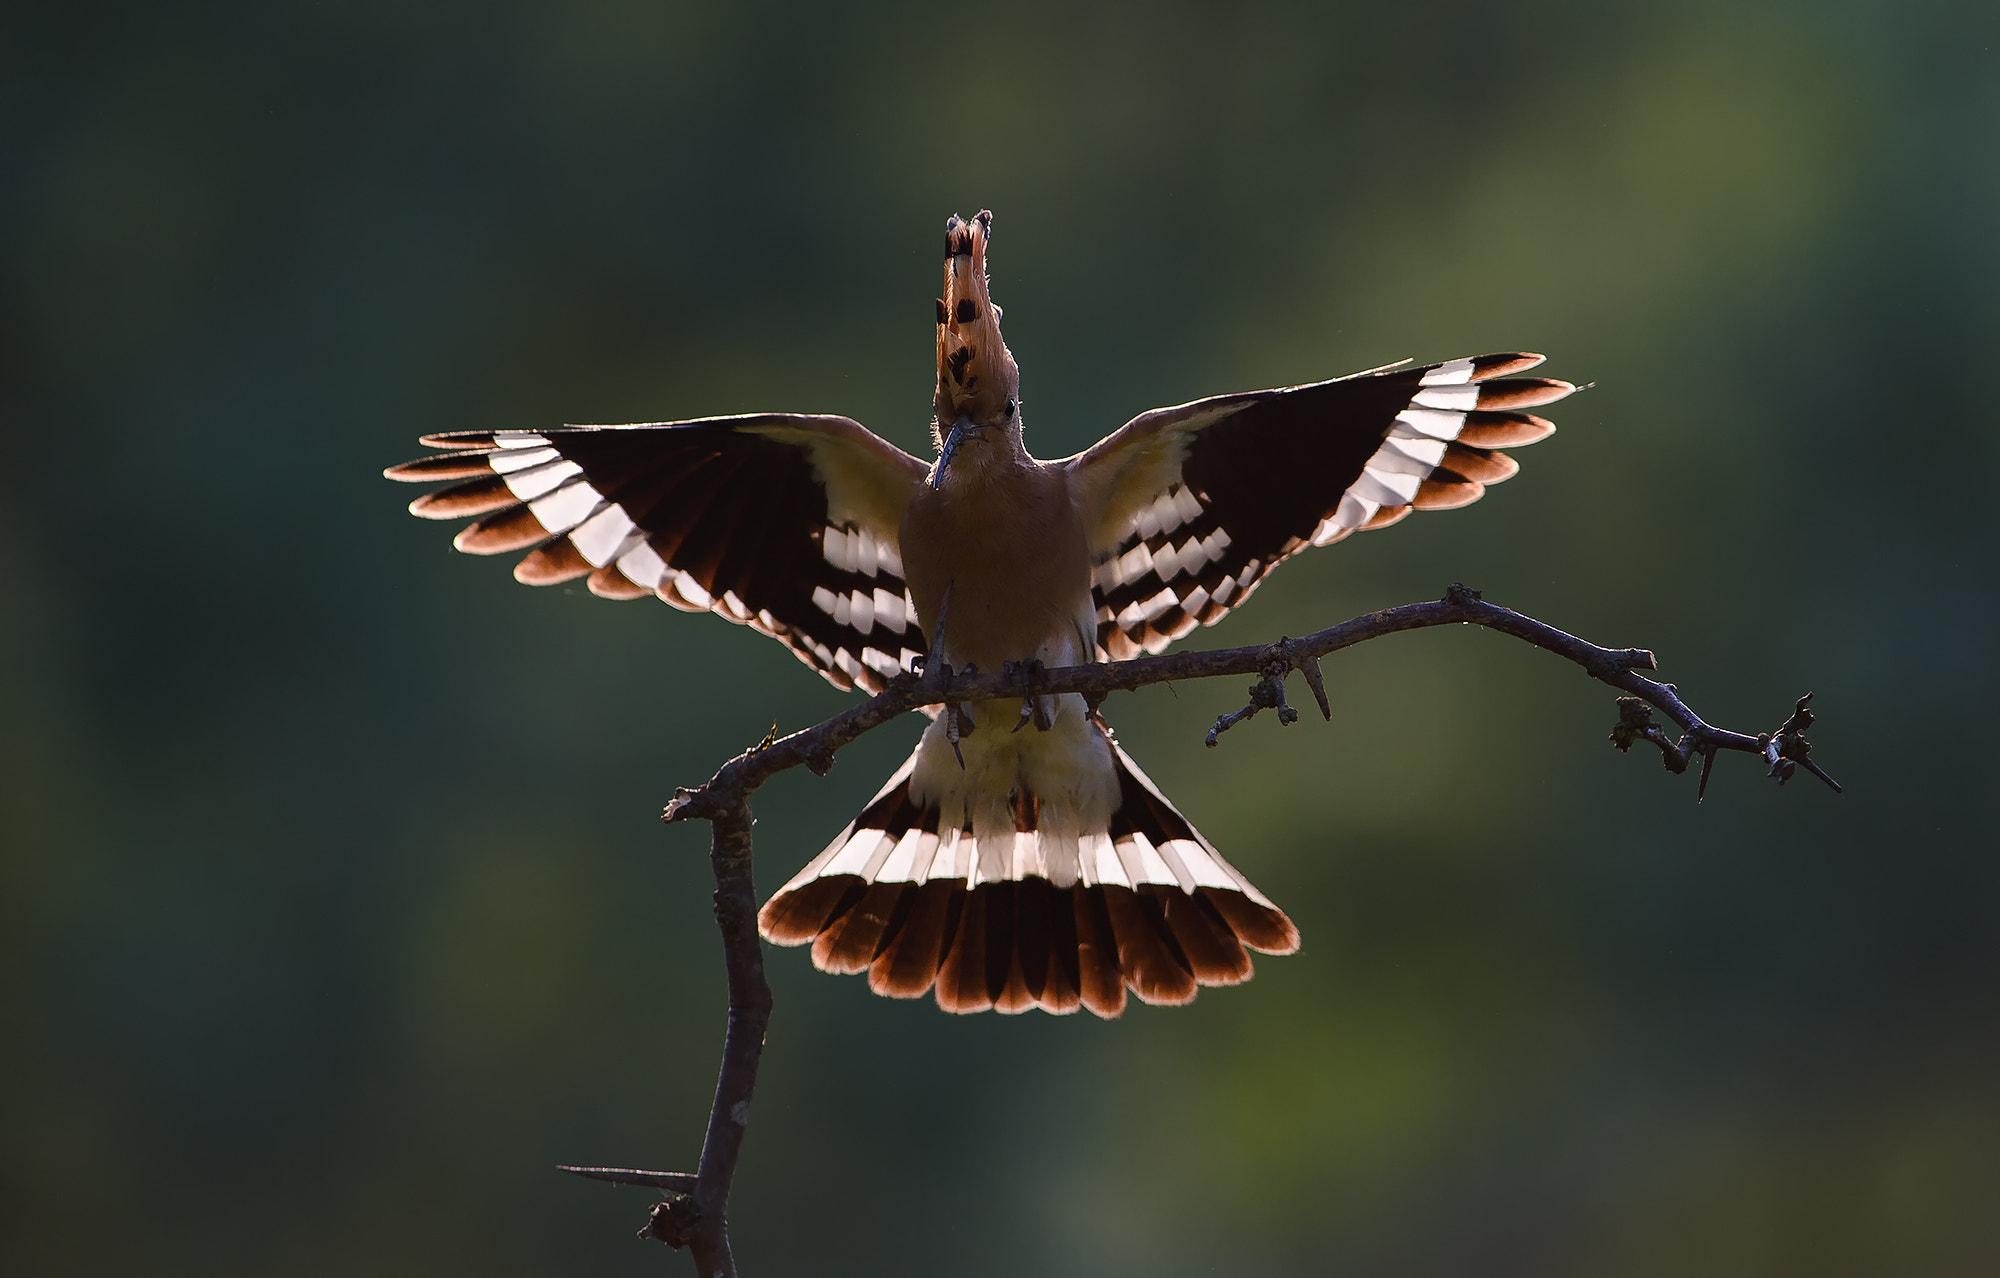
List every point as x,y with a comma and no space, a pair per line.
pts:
1190,507
786,524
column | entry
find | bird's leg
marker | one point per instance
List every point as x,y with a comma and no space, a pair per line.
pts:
1033,708
961,712
1020,668
958,723
951,733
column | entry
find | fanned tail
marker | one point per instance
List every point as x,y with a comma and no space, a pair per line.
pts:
1154,909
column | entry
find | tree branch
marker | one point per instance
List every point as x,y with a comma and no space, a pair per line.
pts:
696,1216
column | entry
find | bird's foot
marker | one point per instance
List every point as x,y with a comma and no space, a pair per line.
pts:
1033,708
958,723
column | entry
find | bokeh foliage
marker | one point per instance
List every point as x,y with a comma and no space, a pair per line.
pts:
332,907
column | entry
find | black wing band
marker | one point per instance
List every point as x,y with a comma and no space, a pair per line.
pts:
709,516
1307,466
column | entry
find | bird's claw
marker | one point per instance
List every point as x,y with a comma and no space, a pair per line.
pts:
957,715
1034,709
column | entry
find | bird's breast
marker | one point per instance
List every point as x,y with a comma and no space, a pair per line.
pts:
1009,543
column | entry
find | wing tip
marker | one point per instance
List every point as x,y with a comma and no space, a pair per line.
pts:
457,439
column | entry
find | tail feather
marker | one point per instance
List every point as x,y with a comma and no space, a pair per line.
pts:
849,945
1102,980
1153,963
1156,911
908,962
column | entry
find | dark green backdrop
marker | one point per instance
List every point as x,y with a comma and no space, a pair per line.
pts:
333,907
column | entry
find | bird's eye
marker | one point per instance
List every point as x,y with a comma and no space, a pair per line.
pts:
1010,408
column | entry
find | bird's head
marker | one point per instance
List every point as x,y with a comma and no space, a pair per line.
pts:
978,383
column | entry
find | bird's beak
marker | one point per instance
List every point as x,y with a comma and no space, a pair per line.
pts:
961,430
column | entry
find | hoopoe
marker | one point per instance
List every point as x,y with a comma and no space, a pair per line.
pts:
998,868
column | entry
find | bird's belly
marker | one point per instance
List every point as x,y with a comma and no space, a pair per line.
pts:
1018,572
1013,612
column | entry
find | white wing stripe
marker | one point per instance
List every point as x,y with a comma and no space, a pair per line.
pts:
1355,509
643,566
1428,451
690,590
566,507
889,612
1432,423
1159,603
1453,398
1386,489
539,481
508,463
1390,460
600,538
1134,563
863,543
836,549
881,662
1455,372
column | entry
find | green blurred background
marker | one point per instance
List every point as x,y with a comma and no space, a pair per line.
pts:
334,911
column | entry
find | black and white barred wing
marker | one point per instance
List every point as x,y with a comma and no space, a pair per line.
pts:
1191,507
786,524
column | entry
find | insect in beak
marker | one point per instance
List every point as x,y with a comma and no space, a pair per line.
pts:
961,430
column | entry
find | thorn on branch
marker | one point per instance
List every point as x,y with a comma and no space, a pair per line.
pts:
674,1221
672,1182
1308,665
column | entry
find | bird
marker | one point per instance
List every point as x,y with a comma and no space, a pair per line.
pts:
998,868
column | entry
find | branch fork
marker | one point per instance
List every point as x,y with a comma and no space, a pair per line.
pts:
1268,693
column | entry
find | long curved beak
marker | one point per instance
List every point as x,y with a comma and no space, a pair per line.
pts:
961,430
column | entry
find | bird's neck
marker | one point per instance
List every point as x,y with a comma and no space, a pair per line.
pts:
994,460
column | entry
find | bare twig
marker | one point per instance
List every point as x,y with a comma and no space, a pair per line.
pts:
697,1215
1268,693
